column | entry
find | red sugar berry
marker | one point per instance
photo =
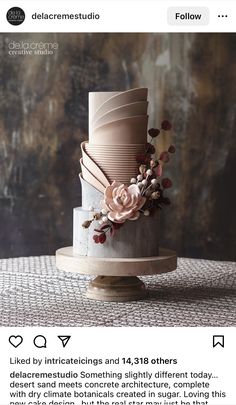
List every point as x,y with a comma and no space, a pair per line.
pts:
164,156
150,149
102,238
153,132
166,183
96,238
171,149
166,125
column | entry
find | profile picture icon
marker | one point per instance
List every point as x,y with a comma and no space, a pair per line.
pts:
15,16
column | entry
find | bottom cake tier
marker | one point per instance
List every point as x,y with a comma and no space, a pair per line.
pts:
134,239
138,238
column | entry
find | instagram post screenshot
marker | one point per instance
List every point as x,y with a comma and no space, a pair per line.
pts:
117,202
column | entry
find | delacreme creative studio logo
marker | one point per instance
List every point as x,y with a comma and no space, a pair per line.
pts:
30,48
15,16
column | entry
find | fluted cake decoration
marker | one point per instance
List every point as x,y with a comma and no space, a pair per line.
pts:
123,186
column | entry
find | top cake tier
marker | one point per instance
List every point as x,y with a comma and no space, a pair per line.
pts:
117,118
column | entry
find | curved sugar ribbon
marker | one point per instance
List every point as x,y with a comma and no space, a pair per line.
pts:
128,130
125,97
92,172
89,177
124,111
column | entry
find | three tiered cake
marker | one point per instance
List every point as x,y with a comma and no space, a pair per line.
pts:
116,230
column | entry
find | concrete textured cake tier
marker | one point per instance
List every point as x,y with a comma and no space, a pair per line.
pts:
133,239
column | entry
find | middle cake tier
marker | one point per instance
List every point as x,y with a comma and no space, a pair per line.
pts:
118,162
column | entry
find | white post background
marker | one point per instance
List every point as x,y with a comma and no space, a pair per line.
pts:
191,346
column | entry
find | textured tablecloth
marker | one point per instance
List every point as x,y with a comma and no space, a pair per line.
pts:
34,293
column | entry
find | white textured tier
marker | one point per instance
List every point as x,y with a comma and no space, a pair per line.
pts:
91,197
135,239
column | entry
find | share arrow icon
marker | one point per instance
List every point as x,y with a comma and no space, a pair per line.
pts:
64,340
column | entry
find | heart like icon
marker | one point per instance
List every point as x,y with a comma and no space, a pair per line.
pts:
15,340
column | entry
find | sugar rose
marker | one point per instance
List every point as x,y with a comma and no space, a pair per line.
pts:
123,202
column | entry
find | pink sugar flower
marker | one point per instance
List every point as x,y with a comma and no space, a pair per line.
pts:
123,202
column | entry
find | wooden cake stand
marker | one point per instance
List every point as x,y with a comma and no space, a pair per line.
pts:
116,278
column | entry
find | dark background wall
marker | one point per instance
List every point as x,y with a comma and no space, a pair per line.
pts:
43,118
